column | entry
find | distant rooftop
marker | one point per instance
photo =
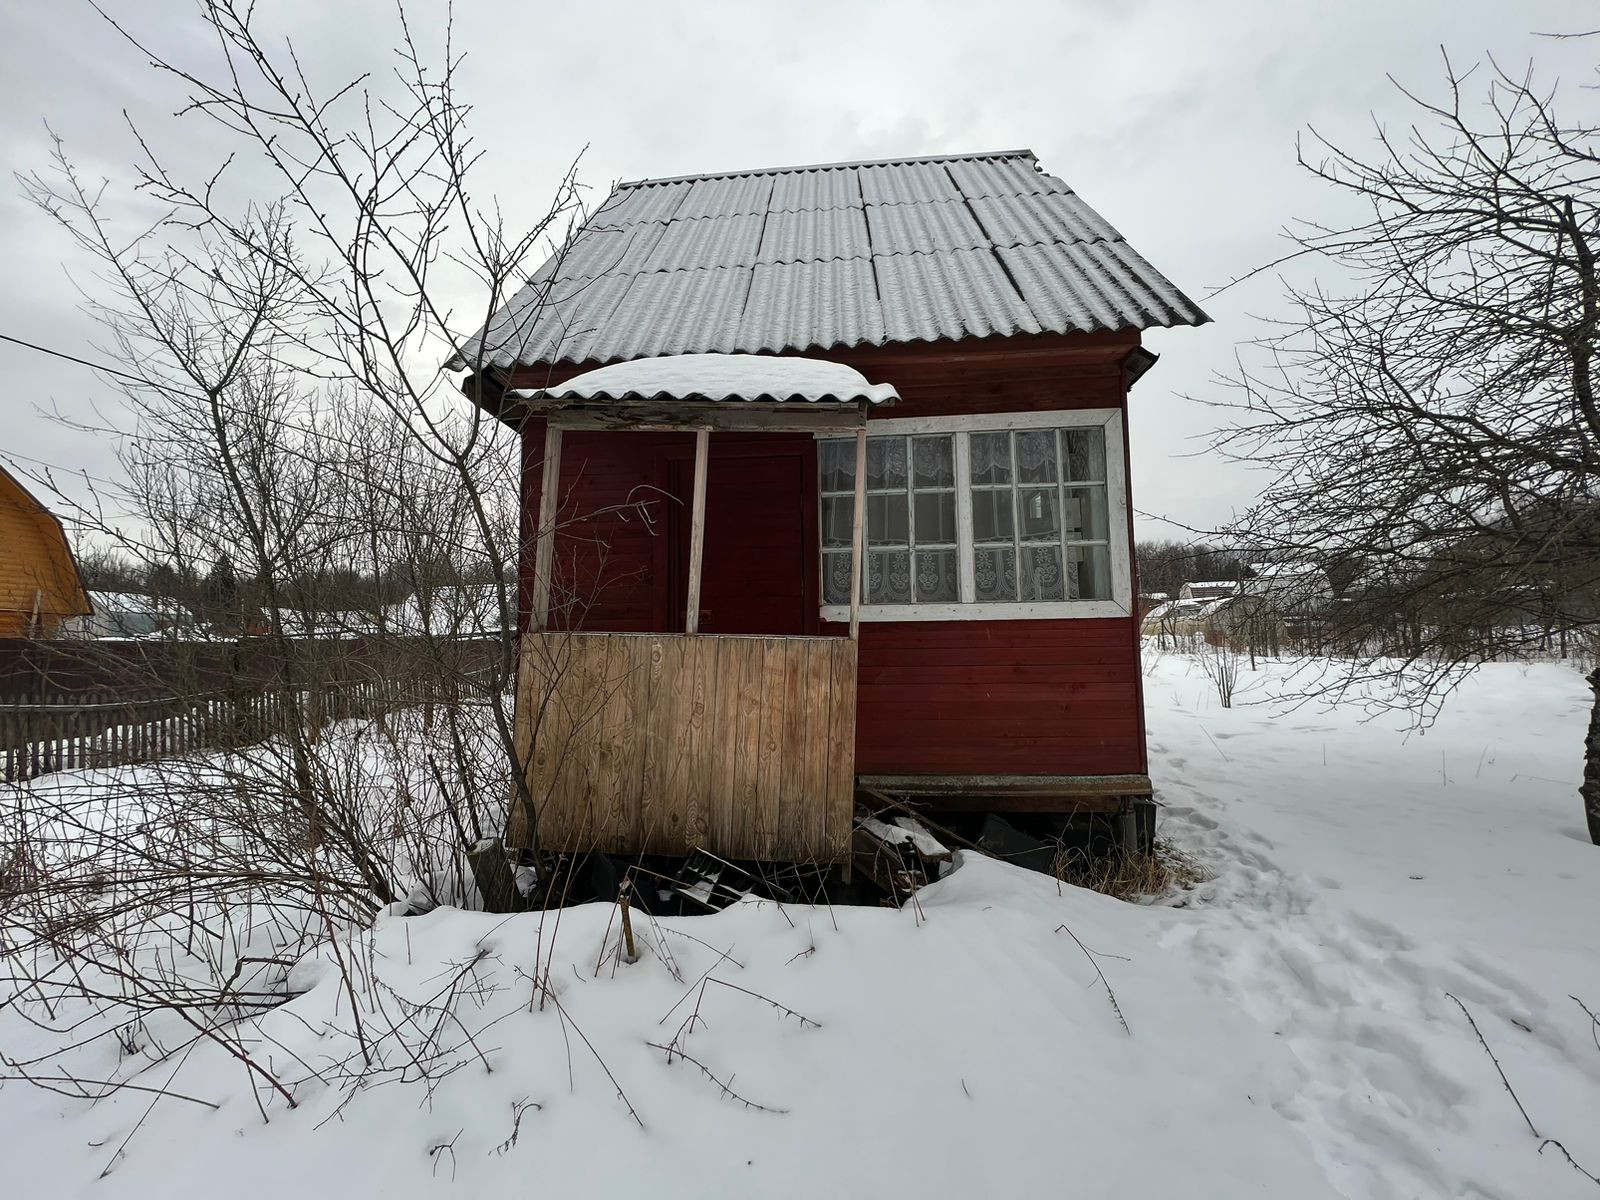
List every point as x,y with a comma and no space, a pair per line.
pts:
786,259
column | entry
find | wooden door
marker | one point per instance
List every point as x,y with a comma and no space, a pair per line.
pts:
759,570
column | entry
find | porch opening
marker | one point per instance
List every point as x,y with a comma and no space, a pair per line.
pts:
737,743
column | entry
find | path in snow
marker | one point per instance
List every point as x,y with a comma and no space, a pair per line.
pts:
1312,931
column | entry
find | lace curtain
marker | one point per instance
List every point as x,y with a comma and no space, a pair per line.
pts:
886,463
899,577
1038,456
933,463
991,457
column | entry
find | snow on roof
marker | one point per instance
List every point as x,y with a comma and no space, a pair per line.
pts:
1186,610
1213,583
133,602
721,377
1285,568
841,254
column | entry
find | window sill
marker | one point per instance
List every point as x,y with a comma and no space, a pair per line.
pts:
1043,611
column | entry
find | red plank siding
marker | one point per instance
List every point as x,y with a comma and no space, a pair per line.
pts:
993,697
610,549
760,541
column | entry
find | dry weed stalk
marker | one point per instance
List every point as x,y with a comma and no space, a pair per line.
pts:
1161,872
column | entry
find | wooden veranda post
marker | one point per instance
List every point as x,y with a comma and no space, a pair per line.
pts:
856,523
545,542
697,528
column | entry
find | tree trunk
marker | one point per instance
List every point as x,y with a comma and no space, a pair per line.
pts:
1590,791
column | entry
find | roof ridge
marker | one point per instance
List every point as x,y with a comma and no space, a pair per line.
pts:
831,166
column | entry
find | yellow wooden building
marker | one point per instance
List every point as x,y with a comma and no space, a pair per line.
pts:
39,584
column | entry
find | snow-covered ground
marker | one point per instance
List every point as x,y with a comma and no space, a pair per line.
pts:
1364,877
1284,1030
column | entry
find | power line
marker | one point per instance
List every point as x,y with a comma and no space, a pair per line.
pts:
84,362
79,472
281,422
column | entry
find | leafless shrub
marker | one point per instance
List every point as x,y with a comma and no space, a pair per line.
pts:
1220,660
344,530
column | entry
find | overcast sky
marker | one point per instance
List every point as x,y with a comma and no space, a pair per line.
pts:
1175,119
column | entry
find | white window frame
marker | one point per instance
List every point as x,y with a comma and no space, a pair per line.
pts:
1121,602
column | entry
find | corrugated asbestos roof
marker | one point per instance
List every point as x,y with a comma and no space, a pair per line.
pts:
812,258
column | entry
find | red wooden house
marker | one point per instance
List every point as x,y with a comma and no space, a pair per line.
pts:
997,667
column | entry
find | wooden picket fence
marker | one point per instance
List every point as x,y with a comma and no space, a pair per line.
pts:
103,730
58,714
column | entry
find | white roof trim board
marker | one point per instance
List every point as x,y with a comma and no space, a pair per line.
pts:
720,377
790,259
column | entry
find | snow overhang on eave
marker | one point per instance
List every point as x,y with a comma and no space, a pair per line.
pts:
709,391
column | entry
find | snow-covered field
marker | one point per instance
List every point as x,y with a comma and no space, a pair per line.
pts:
1286,1029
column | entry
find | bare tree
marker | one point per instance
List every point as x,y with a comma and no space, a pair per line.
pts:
279,343
1432,423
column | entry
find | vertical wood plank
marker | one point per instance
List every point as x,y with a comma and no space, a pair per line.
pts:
697,529
672,705
791,796
545,539
838,797
585,694
703,667
614,788
726,737
584,699
558,737
520,821
632,804
770,759
816,692
549,741
582,696
555,730
747,750
655,728
857,524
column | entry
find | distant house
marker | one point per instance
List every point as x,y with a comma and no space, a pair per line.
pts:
1291,587
1274,601
1151,600
1214,590
127,616
39,584
321,624
1181,618
468,611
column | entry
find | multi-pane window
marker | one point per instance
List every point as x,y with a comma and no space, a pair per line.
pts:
1039,529
998,516
910,520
